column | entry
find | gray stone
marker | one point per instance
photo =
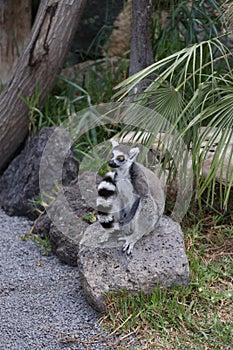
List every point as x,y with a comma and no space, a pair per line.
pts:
65,224
42,225
65,245
158,259
19,184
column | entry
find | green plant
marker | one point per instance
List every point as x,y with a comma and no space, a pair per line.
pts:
194,88
90,217
177,24
43,243
35,114
191,87
45,200
85,86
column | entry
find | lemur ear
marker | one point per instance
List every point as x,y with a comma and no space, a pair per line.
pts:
114,143
133,153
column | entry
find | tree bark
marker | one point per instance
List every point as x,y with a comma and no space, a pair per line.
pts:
42,59
141,55
15,28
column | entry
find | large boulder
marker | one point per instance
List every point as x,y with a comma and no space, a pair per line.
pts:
19,184
68,226
158,259
65,224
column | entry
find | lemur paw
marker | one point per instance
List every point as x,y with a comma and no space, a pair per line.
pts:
127,246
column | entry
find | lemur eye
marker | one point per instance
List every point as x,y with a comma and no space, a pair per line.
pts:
121,158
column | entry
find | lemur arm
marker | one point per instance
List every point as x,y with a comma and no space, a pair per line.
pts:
127,215
139,180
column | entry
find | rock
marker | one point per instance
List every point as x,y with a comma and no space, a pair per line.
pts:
19,184
65,225
158,259
42,226
224,157
65,237
65,246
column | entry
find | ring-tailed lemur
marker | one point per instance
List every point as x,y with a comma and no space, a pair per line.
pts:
131,198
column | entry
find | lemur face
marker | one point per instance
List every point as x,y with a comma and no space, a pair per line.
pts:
118,159
123,156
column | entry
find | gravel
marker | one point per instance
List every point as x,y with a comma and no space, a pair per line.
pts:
41,300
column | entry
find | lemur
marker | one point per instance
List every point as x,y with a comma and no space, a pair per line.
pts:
130,199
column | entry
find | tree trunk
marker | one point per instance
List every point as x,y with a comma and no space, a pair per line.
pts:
15,28
141,55
37,68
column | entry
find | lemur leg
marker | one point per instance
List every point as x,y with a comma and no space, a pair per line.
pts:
107,233
144,221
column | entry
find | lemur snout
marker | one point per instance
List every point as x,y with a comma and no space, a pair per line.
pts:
112,164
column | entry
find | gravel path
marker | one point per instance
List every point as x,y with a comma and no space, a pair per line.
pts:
41,301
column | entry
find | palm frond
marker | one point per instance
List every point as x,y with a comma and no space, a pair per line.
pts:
192,89
180,68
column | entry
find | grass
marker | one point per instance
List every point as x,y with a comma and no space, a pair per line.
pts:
78,87
43,243
200,317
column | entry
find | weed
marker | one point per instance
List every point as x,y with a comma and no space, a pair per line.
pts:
43,243
90,217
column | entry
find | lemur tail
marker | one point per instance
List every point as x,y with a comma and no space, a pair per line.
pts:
107,193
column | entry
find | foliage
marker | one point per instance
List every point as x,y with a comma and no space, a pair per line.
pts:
44,243
180,23
190,86
80,87
90,217
193,88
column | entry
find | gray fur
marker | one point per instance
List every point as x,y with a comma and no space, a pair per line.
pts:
139,200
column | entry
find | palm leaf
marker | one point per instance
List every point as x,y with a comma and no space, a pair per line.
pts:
189,91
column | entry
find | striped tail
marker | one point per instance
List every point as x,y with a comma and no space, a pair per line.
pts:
107,193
